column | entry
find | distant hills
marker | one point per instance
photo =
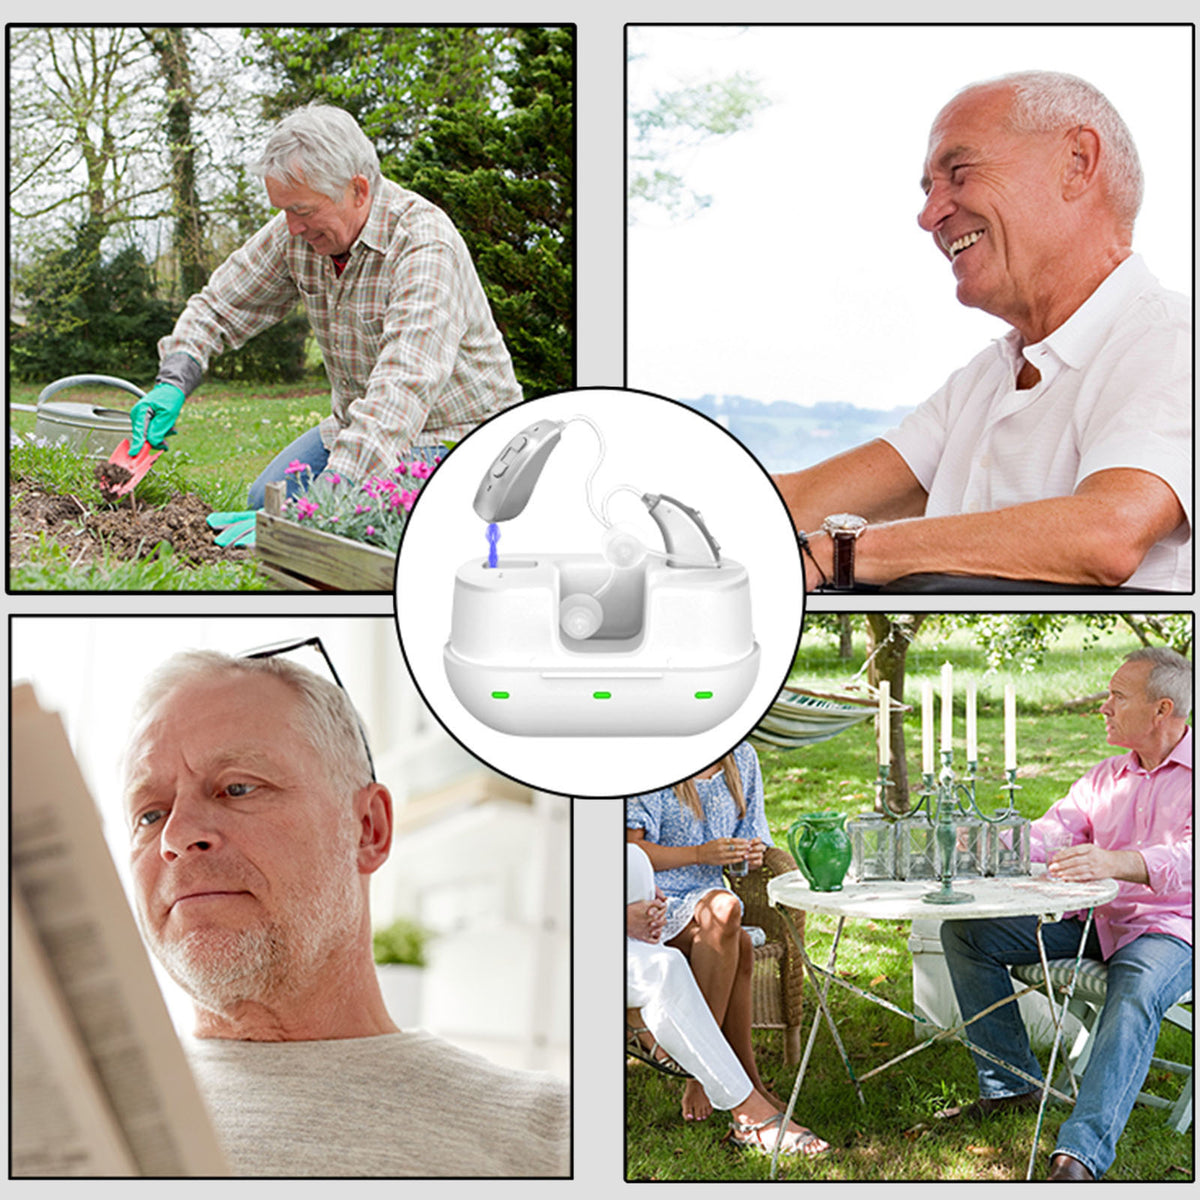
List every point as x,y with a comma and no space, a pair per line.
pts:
785,436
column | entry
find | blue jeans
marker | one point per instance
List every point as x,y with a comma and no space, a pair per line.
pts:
308,448
1145,977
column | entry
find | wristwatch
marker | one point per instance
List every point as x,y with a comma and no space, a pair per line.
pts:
844,529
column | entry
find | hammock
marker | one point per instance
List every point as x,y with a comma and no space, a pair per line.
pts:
799,717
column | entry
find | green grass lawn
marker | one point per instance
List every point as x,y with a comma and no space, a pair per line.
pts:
226,434
892,1136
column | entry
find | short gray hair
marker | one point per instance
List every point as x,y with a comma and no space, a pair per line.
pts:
320,146
1045,101
1170,676
327,719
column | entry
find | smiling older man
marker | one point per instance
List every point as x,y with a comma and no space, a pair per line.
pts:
411,350
1129,819
255,826
1063,452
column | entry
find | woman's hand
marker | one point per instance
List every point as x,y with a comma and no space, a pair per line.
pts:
644,919
757,853
720,852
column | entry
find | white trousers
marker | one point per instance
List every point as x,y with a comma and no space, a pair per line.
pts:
659,981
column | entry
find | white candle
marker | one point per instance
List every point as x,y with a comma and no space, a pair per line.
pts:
1010,727
972,726
885,716
947,706
927,727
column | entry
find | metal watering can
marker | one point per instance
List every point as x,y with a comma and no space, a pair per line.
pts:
821,848
94,431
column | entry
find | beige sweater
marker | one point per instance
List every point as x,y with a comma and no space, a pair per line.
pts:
401,1104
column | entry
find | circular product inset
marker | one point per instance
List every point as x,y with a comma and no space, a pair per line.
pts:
612,669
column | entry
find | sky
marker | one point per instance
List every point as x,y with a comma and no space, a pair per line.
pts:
808,279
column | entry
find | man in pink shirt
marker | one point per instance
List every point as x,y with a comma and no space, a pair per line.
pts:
1129,819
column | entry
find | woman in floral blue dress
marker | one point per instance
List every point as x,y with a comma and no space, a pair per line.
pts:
690,833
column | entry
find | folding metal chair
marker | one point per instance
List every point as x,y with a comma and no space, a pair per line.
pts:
1091,990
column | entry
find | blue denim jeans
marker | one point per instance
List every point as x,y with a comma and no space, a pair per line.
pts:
1145,977
308,448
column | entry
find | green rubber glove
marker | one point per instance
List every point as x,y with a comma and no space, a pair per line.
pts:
154,416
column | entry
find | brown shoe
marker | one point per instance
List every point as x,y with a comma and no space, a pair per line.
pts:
1065,1169
985,1107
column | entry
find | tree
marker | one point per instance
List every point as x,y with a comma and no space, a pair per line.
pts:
89,315
1022,639
889,638
480,122
174,58
677,123
506,179
82,127
391,79
888,642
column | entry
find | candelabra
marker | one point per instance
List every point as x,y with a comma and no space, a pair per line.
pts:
951,798
944,832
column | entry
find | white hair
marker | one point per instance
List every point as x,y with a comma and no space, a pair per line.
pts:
321,147
1046,101
1170,676
326,718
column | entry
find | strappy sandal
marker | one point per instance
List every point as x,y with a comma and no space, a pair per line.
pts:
802,1143
653,1054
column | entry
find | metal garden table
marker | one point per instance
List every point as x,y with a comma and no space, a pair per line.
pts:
903,900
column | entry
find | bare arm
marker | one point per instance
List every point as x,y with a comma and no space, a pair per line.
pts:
872,480
1097,536
719,852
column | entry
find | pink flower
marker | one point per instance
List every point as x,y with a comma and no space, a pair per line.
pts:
360,508
370,531
295,467
401,469
333,477
421,470
305,508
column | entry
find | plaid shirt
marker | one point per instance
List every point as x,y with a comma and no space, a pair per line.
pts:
411,350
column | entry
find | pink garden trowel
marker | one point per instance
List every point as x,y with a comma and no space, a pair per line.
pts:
123,471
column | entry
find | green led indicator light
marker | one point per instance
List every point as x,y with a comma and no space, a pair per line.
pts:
602,695
704,695
499,695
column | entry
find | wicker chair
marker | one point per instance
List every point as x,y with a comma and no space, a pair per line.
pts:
778,983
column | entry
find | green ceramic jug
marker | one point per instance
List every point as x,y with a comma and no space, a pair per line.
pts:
821,849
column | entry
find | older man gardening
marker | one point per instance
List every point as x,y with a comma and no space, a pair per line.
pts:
1129,819
413,355
1063,452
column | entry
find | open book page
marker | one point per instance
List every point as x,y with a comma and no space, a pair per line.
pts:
61,1122
83,927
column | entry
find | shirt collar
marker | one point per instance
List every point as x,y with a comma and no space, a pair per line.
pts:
374,233
1181,755
1078,339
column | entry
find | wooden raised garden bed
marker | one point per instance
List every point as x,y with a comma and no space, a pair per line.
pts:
308,560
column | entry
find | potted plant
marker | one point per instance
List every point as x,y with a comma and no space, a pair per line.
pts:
399,959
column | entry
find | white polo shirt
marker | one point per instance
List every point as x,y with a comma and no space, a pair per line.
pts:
1115,391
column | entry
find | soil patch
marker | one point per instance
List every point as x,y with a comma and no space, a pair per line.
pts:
125,532
109,477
